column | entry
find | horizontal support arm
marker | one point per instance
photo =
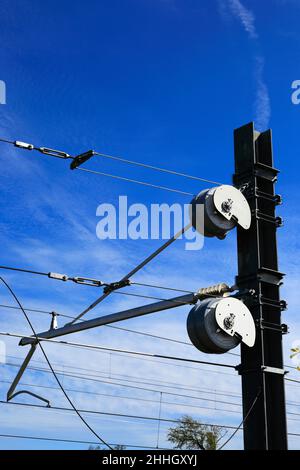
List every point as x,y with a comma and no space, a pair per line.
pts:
114,317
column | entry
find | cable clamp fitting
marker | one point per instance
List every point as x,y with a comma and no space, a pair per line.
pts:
82,158
87,281
58,277
54,324
116,285
53,153
23,145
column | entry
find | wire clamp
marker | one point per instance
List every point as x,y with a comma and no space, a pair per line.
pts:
53,153
58,277
273,370
23,145
81,158
116,285
54,324
87,281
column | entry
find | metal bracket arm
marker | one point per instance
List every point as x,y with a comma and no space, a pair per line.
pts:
114,317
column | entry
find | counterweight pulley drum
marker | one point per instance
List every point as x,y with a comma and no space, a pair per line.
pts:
217,325
216,211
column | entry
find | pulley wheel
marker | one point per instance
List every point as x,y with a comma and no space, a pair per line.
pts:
215,224
204,332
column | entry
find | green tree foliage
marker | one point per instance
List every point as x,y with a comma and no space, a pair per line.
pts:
191,434
99,447
295,353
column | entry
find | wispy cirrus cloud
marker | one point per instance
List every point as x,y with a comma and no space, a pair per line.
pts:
262,105
246,17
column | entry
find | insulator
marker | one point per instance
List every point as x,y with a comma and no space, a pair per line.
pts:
217,289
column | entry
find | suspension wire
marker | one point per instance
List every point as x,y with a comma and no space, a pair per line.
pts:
104,380
143,284
242,422
101,283
107,284
151,297
143,183
30,271
292,380
161,392
124,379
106,326
142,333
50,366
173,340
105,413
168,384
151,167
138,398
64,155
118,384
159,419
51,439
73,441
125,351
113,157
7,141
135,270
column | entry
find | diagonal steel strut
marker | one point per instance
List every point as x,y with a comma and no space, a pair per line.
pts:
135,270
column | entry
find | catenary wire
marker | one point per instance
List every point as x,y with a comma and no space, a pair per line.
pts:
132,379
96,348
47,312
143,183
146,400
242,422
111,382
143,333
112,354
50,366
6,141
174,385
155,168
46,274
106,413
125,351
124,377
145,389
131,294
124,381
29,271
132,162
292,380
128,378
73,441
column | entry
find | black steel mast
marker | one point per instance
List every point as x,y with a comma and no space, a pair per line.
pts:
261,367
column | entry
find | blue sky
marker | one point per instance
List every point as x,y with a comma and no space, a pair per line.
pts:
158,81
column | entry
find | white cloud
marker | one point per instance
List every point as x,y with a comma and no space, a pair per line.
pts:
262,104
245,16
